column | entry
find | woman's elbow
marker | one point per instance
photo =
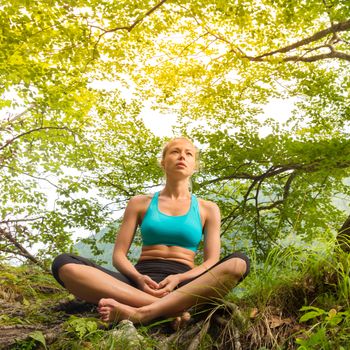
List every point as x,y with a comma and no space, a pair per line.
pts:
117,258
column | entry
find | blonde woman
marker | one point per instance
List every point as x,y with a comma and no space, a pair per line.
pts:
165,282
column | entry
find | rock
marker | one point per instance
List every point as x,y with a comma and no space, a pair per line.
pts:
127,332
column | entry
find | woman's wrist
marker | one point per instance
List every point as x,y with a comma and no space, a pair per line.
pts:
137,278
181,277
130,272
195,272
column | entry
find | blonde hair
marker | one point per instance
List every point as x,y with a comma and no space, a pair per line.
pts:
169,142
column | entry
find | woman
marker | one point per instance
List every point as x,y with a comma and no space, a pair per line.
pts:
165,282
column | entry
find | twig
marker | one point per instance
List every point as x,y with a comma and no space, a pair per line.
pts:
9,142
11,120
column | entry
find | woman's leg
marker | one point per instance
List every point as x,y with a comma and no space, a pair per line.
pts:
216,282
228,257
91,282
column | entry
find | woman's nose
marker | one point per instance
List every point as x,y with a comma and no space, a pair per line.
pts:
181,155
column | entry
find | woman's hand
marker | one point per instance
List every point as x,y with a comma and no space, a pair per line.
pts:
146,284
168,284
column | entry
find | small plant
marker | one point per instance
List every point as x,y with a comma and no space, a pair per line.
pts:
32,341
39,337
329,331
82,328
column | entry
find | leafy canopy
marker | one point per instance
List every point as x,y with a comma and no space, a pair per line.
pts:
72,153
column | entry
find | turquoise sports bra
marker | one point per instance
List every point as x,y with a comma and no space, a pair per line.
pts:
182,231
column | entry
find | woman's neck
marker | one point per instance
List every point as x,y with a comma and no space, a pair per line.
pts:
176,189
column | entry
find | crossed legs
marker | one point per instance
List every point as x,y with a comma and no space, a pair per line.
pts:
91,284
216,282
74,277
121,300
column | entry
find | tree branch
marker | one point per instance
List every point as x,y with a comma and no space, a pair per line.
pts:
286,191
270,206
33,177
9,142
332,54
21,220
256,197
14,118
339,27
274,170
133,25
127,28
22,251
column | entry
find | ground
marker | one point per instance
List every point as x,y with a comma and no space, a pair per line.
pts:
37,313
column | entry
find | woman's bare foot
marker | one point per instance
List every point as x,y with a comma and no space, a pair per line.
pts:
181,321
112,311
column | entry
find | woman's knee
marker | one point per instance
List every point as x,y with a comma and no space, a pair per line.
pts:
236,267
60,261
63,264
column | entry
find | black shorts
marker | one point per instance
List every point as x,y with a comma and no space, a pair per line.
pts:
157,269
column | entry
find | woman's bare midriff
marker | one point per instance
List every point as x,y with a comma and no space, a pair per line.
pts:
160,251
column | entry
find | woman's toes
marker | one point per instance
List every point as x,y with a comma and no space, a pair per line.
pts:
186,316
176,323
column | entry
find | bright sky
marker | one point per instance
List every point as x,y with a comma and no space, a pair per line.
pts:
161,124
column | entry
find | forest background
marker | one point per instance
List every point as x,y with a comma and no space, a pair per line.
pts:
75,77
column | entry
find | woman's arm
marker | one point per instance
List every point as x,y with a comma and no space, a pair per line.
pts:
211,248
124,239
123,242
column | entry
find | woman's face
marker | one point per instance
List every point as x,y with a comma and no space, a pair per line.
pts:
180,158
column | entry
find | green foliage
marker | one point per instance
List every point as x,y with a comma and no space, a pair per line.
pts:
74,147
315,312
301,299
39,337
82,332
81,327
26,345
306,290
329,329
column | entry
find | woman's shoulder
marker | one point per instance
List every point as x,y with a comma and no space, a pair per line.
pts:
209,211
140,200
208,206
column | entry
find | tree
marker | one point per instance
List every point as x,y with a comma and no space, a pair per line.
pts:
215,64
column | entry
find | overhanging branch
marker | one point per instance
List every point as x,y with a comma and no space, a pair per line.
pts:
339,27
20,249
275,170
9,142
302,58
129,28
10,120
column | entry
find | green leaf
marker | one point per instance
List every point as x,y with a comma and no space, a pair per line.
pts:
311,314
38,336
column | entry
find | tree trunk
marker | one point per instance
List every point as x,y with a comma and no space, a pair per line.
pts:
343,237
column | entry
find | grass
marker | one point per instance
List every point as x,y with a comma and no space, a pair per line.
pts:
288,281
297,299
